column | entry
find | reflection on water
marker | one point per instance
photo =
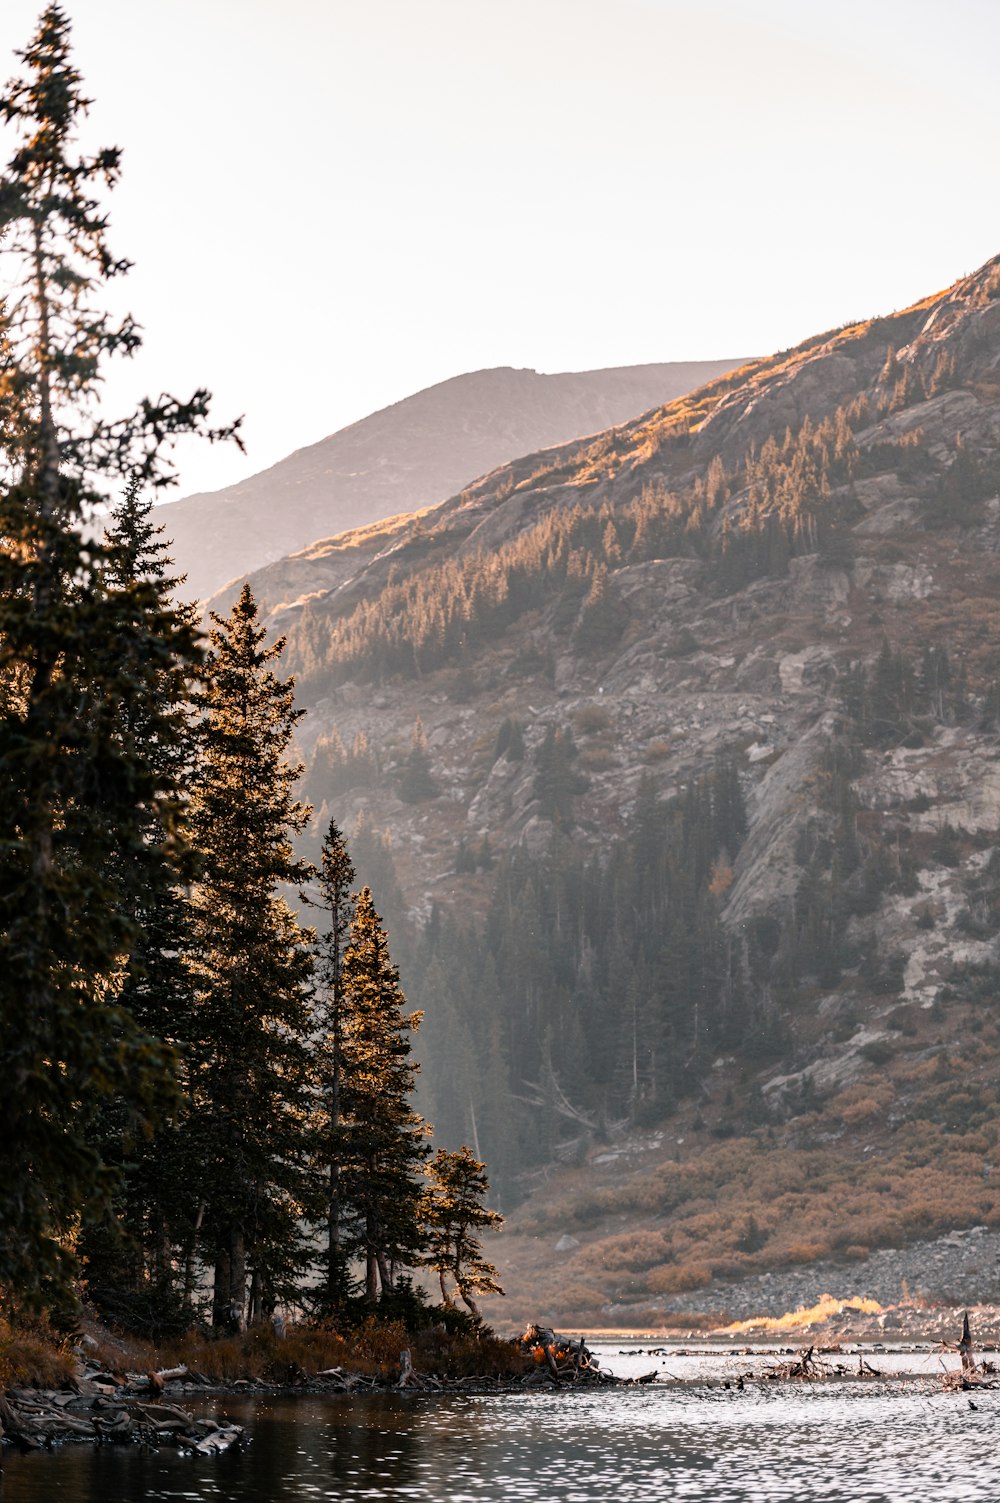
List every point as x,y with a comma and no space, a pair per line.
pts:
849,1443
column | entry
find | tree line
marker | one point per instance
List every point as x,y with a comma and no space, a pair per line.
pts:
787,497
194,1083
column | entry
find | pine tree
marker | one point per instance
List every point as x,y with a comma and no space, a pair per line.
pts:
455,1214
72,796
383,1138
130,1255
556,781
336,878
417,784
252,966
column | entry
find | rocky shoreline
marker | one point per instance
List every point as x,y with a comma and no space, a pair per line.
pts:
919,1287
106,1408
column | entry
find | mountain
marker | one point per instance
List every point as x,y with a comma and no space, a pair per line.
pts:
685,737
412,454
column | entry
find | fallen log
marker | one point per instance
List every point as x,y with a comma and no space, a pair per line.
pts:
218,1441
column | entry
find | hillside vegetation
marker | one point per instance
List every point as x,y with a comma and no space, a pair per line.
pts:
410,455
685,741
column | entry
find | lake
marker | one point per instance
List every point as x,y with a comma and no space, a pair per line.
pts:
848,1442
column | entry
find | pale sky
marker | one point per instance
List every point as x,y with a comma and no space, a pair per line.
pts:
334,203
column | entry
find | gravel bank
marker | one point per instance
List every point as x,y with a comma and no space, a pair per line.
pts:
961,1268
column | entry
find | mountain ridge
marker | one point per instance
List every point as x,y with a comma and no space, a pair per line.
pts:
790,577
415,452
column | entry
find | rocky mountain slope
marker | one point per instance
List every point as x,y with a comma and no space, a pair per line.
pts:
795,570
413,454
697,662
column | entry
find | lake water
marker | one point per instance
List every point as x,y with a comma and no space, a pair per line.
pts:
849,1442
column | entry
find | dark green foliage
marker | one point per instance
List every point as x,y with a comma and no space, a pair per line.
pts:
79,654
335,770
616,977
371,853
510,741
416,783
891,700
130,1256
249,1067
557,783
336,879
465,861
970,479
788,508
603,616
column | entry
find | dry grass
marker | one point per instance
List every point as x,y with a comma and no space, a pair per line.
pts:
32,1355
591,719
881,1184
815,1315
371,1349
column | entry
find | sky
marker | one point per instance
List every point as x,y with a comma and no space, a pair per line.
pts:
334,203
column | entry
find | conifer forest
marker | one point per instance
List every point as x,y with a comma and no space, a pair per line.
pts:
207,1107
571,857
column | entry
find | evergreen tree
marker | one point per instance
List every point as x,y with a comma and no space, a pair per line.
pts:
556,780
336,878
383,1139
252,966
510,741
417,784
456,1214
72,794
129,1256
602,617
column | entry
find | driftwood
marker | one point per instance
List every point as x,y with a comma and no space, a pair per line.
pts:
972,1374
564,1358
37,1418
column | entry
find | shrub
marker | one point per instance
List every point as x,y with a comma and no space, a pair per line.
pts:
32,1355
806,1252
669,1279
590,719
683,644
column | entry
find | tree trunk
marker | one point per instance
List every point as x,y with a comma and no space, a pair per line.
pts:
220,1291
189,1260
469,1302
385,1278
237,1277
255,1311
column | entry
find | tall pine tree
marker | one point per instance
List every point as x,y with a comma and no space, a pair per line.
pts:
71,794
130,1252
336,879
252,964
383,1140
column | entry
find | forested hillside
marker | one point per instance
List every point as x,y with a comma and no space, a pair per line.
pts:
685,741
413,454
207,1107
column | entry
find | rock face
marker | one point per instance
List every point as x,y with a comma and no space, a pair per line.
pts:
697,668
960,1268
410,455
823,610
